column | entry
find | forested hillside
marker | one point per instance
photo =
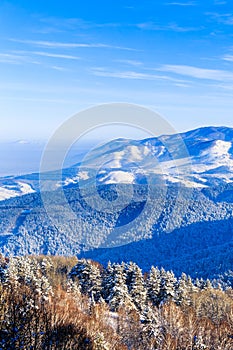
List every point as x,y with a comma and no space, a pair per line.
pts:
191,234
65,303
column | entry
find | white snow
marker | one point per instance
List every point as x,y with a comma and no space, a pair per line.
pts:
199,170
116,161
83,175
131,154
135,153
118,177
160,150
195,171
220,149
19,189
70,180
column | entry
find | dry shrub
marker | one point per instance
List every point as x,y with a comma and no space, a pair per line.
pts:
66,319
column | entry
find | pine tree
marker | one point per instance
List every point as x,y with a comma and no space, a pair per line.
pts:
167,286
136,285
182,292
115,288
208,285
107,281
89,279
200,283
153,285
151,322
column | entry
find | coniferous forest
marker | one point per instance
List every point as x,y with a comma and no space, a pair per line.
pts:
66,303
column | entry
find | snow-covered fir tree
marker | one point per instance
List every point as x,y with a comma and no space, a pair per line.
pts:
25,270
182,291
167,286
153,285
115,290
136,285
151,321
89,279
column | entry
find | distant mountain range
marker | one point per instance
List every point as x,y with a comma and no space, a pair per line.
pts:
179,214
199,158
203,157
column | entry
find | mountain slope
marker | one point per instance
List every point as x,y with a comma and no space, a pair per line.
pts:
153,201
184,237
199,158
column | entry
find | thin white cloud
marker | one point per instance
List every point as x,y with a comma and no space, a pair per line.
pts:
228,58
4,60
102,72
224,18
12,58
26,53
70,24
227,87
198,73
68,45
130,62
54,55
169,27
188,3
183,85
61,69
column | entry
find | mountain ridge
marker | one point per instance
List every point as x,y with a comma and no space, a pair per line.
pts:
206,151
131,200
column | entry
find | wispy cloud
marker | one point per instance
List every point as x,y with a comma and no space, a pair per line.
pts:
26,53
26,57
130,62
69,24
187,3
12,58
228,58
198,73
169,27
68,45
54,55
226,87
183,85
224,18
51,24
103,72
60,69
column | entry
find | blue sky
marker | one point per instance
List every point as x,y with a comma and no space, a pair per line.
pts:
57,58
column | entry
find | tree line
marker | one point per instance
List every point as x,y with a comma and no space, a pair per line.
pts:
66,303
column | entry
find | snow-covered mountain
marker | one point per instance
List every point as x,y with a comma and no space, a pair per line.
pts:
198,158
13,188
186,225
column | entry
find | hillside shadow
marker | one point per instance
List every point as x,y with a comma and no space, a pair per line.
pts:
203,249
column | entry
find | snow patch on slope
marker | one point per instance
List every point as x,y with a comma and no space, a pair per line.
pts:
118,177
219,150
14,190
